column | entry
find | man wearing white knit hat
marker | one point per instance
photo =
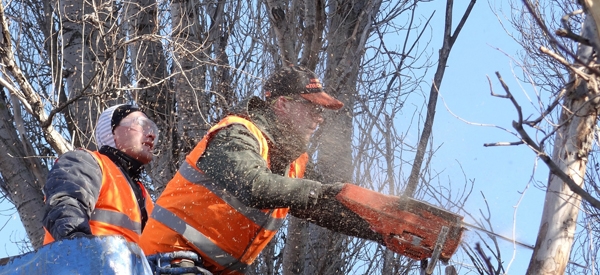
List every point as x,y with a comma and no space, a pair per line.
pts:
99,192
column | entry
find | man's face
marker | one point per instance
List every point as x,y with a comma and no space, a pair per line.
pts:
135,136
301,117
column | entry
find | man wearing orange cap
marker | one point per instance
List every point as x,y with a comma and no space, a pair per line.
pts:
236,187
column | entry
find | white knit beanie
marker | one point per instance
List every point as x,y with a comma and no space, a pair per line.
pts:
108,121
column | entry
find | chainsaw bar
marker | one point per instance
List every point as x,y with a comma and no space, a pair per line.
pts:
511,240
498,235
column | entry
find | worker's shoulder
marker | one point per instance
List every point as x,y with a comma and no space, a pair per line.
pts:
232,132
79,158
76,155
247,106
78,167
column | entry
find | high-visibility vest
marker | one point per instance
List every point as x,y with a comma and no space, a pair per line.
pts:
117,211
195,213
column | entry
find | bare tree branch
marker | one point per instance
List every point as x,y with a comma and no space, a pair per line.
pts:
444,53
8,60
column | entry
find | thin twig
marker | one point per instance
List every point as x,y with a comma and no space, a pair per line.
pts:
503,143
548,110
568,33
486,259
560,59
510,96
555,41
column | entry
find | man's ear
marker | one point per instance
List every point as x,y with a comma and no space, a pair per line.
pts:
116,139
280,106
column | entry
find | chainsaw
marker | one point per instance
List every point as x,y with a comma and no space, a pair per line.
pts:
409,227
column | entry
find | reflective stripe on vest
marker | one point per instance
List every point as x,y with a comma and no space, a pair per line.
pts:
116,218
263,219
198,239
229,235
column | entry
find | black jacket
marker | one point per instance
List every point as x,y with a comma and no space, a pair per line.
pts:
73,187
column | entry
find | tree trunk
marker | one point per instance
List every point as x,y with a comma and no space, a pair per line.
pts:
352,21
80,40
18,181
295,246
390,262
23,175
573,142
559,217
281,16
153,96
189,78
218,39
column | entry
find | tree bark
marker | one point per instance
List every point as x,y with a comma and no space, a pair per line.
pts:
153,93
23,174
19,182
218,39
352,23
559,217
281,21
189,74
295,246
390,261
79,56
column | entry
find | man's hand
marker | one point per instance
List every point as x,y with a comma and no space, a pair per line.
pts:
330,190
77,235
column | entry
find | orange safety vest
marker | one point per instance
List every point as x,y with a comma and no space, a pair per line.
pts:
195,213
116,211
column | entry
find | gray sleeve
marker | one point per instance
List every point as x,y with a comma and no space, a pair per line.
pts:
232,158
71,190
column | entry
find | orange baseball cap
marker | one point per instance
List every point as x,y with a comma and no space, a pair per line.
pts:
298,80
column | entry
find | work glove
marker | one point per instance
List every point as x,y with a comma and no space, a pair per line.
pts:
323,193
77,235
330,190
329,212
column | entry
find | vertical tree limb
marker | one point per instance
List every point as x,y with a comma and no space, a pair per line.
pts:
280,16
444,54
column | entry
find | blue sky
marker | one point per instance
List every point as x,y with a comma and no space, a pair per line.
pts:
501,173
